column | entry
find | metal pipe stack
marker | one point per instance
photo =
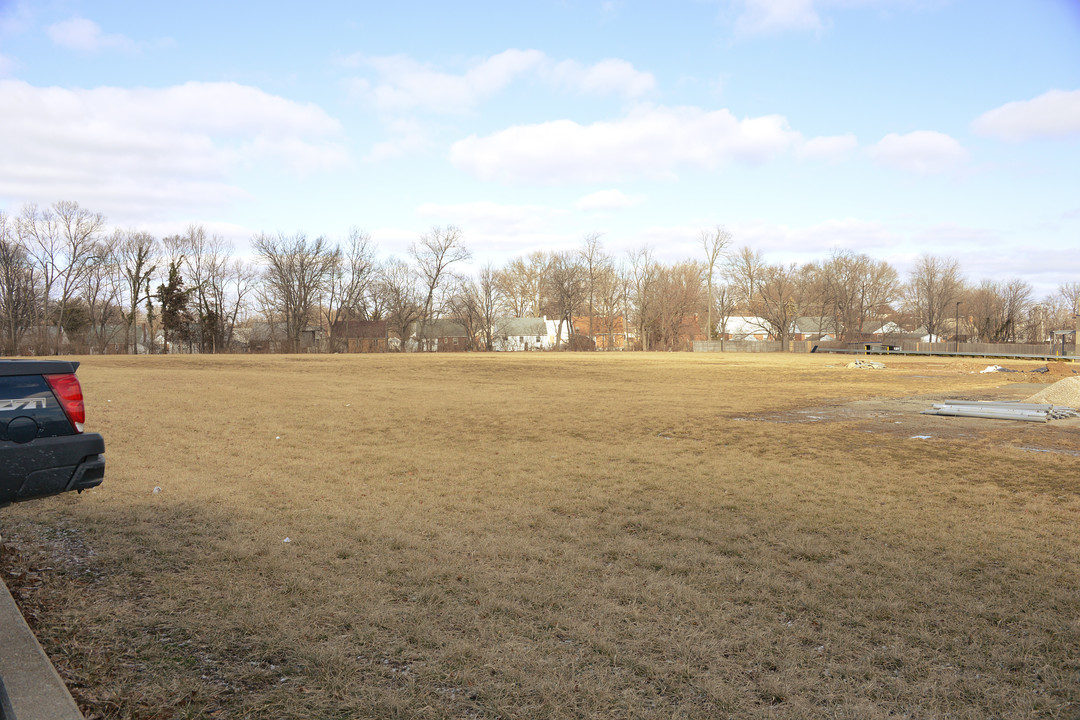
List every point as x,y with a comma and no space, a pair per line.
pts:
1029,412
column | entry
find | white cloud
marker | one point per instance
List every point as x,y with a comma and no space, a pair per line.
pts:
607,77
404,84
924,152
1054,114
757,17
487,217
606,200
6,65
649,142
764,16
85,36
122,148
830,148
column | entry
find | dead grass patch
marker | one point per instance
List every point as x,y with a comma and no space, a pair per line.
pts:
549,536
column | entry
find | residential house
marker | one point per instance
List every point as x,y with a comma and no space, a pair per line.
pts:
883,330
608,332
313,338
361,336
438,336
521,334
745,327
559,334
261,337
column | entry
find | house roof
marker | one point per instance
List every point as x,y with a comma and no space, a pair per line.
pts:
745,325
361,328
601,324
437,329
814,325
261,331
520,326
886,327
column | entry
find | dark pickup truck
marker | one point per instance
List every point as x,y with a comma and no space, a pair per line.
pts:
43,449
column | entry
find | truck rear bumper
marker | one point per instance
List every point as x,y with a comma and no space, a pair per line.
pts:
49,466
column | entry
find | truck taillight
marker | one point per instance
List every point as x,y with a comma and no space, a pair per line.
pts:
67,390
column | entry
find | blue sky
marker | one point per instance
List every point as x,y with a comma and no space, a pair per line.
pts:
890,127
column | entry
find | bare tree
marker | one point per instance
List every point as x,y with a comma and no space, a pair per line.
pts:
240,285
137,255
475,304
566,291
18,291
933,286
61,242
998,309
679,298
713,241
101,290
434,254
295,273
724,305
1069,293
743,272
350,276
521,284
609,294
207,262
851,289
595,263
397,287
778,300
642,291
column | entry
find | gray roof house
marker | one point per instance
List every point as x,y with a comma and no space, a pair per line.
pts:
518,334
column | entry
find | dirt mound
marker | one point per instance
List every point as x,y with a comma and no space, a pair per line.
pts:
1061,368
1064,392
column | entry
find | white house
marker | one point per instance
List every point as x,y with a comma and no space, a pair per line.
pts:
746,327
520,334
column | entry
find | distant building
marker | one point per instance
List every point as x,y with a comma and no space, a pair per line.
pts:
521,334
438,336
361,336
608,332
745,327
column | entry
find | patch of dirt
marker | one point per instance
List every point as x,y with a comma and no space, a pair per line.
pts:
1048,373
901,417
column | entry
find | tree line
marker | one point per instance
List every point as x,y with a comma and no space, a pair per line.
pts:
68,283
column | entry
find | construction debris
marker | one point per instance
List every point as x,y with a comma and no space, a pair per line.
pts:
866,365
1029,412
994,369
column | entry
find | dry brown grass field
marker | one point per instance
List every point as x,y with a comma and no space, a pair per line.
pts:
558,536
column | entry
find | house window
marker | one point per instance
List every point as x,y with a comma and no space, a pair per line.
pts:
537,339
521,338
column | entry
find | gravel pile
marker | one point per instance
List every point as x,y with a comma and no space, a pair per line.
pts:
1064,392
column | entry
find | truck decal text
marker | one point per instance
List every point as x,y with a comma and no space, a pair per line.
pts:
25,404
